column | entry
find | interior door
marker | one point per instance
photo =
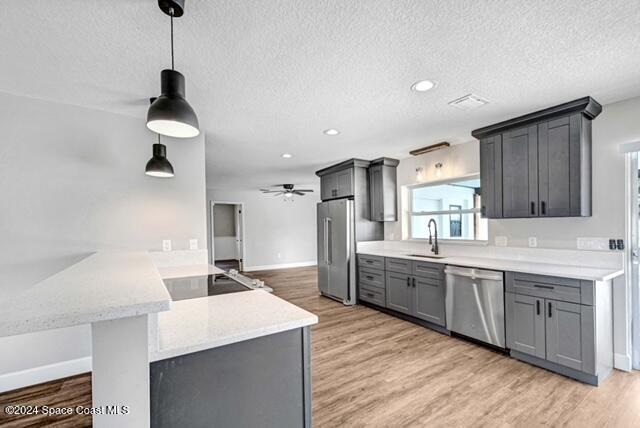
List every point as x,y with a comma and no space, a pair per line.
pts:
520,172
323,246
239,235
339,247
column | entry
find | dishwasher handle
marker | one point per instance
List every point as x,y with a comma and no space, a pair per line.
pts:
474,274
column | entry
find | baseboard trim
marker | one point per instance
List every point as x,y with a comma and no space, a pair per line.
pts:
280,266
36,375
622,362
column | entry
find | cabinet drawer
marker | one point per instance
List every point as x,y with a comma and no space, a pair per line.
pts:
428,270
562,293
398,265
372,295
544,279
375,262
371,278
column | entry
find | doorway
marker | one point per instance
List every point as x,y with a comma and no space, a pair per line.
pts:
632,258
227,235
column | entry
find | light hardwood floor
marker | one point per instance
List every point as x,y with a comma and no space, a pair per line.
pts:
371,369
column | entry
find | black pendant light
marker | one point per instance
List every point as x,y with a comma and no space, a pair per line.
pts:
159,166
170,114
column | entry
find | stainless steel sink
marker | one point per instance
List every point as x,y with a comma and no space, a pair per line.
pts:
426,257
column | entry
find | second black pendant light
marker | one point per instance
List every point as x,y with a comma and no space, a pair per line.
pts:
170,114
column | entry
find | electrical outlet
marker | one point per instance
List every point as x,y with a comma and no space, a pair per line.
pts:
193,244
593,244
500,241
533,241
166,245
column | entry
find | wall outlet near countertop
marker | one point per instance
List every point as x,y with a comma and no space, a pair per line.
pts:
193,244
500,241
594,244
533,242
166,245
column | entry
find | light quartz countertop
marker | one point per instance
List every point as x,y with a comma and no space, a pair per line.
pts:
189,270
103,286
567,271
208,322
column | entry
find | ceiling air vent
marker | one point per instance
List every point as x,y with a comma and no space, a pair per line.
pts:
469,102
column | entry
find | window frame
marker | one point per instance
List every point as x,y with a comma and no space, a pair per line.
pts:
411,213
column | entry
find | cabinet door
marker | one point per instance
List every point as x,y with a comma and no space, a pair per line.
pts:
376,196
491,176
344,183
569,333
429,300
399,292
328,186
555,166
525,324
520,173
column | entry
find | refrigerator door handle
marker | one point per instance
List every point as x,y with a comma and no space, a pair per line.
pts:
328,241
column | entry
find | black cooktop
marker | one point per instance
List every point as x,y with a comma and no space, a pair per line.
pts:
202,286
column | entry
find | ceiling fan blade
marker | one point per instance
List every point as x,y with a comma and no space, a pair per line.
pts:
297,192
304,190
278,193
269,191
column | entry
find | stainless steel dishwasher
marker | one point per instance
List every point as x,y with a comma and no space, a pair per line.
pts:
475,304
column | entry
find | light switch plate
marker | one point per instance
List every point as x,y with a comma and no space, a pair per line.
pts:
193,244
166,245
500,241
533,242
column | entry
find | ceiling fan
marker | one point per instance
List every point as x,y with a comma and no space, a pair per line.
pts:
288,190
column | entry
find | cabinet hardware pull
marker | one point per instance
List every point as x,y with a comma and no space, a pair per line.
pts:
369,261
549,309
543,208
408,281
414,282
548,287
371,295
369,277
537,307
533,208
483,211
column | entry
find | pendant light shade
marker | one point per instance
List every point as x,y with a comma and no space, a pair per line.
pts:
170,114
159,165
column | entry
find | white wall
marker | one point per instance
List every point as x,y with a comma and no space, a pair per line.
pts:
276,233
73,182
618,123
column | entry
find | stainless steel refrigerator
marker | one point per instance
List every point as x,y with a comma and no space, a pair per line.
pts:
337,250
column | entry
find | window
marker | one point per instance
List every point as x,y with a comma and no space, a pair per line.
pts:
455,207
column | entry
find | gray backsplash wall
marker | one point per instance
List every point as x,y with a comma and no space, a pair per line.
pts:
73,182
617,124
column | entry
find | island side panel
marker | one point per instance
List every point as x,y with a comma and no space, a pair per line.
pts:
258,382
120,372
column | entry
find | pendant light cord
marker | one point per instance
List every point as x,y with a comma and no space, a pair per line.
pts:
172,64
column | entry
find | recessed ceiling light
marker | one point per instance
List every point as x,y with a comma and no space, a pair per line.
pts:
287,155
423,86
331,132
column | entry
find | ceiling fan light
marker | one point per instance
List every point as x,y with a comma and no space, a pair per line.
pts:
159,166
170,114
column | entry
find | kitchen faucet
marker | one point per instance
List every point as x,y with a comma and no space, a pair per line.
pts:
434,243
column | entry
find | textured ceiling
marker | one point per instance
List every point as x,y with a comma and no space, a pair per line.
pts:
267,76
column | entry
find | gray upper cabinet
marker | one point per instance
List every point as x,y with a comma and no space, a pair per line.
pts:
399,292
539,165
339,181
491,173
383,189
520,172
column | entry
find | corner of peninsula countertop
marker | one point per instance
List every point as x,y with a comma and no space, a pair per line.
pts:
104,286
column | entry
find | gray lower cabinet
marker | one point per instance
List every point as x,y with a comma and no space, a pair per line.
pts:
561,324
429,300
399,292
